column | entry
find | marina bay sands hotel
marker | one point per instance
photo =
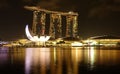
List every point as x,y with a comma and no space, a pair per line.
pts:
53,23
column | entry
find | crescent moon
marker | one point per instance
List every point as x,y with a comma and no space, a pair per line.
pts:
29,36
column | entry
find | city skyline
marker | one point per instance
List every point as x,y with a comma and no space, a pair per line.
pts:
95,17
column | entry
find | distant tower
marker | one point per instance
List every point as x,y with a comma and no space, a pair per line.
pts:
55,26
38,26
71,26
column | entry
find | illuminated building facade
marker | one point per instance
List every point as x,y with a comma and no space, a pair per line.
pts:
71,26
38,26
57,26
104,40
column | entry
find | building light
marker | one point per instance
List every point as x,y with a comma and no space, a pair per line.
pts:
76,44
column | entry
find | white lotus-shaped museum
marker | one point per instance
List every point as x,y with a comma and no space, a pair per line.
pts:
35,38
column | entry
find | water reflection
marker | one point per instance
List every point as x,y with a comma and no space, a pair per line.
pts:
37,59
67,60
59,60
91,57
77,57
3,55
109,57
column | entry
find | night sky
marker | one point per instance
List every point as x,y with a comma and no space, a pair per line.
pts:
96,17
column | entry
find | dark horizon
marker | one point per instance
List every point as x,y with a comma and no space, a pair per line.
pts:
95,17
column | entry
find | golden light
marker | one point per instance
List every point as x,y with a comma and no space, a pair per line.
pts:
91,42
76,44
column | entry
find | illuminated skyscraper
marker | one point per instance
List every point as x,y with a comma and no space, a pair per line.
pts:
38,26
71,26
57,27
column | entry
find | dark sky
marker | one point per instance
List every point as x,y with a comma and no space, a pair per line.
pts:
96,17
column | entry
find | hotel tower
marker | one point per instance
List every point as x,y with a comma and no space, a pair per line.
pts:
53,23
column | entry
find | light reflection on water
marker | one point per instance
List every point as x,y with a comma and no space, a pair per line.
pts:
36,57
3,55
58,60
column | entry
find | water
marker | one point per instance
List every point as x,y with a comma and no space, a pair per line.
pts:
59,60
